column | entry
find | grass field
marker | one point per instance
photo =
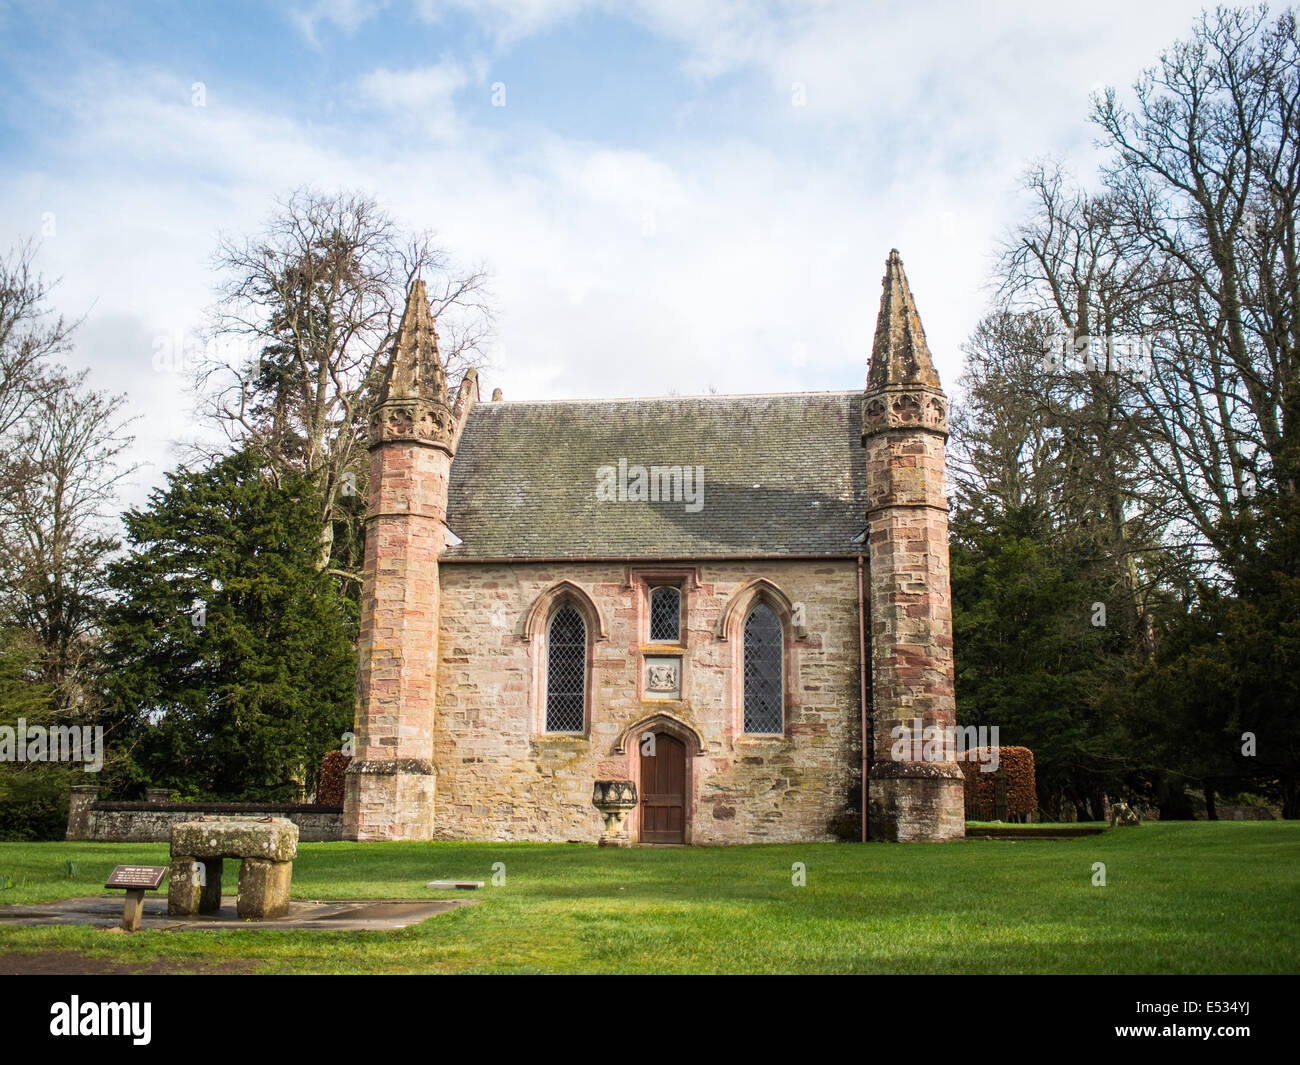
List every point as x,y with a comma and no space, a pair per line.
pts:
1179,898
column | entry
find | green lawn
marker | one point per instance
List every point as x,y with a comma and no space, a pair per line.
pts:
1186,897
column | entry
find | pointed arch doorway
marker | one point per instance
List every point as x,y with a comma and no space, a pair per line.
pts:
663,789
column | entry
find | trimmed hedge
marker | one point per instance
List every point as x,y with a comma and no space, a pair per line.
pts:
1011,783
44,817
330,789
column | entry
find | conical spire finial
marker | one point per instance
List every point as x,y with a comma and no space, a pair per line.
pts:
899,355
415,370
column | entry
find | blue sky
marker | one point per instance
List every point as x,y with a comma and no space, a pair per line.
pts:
677,194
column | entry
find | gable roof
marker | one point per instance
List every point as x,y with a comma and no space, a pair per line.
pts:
782,475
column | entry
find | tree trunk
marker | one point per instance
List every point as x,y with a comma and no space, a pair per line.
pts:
326,545
1051,805
1172,801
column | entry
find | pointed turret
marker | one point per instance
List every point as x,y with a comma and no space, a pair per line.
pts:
902,384
413,399
914,791
899,355
415,370
391,781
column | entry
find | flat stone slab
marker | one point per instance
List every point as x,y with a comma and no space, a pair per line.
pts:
1021,832
274,840
458,885
345,915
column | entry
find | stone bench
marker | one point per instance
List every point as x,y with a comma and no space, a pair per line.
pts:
266,850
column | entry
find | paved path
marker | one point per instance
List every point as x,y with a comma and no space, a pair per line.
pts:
350,915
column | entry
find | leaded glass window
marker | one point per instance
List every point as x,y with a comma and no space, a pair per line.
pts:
764,650
566,671
665,615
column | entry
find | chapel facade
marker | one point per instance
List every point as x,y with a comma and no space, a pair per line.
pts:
716,598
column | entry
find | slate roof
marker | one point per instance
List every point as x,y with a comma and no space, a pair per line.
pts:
783,475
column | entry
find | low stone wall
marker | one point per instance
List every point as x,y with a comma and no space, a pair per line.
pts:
92,820
1245,813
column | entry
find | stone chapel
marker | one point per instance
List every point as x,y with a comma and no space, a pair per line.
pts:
716,598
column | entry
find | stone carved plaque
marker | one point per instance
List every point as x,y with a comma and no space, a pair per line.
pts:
663,677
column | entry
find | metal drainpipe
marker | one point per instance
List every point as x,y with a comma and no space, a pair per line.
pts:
864,677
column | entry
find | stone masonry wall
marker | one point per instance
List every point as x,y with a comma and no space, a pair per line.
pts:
399,633
389,785
140,822
912,639
500,777
911,611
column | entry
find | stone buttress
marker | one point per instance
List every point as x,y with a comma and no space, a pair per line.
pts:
914,793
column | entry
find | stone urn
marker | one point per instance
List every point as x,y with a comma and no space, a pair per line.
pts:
614,799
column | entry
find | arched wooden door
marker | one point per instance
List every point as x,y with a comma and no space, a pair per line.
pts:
663,790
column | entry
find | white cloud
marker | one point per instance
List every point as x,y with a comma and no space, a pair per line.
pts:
508,21
750,262
424,95
346,15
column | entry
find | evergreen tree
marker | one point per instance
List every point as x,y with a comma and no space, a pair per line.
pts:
231,653
1223,696
1038,655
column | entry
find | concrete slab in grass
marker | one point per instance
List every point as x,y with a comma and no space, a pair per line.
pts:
349,915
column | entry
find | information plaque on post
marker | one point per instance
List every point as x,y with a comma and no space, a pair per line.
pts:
136,879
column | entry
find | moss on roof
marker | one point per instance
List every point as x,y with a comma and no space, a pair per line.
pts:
782,475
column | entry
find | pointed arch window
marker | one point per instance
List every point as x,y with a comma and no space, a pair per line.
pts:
764,652
566,671
665,614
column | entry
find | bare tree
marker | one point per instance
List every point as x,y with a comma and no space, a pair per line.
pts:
1069,263
1005,448
30,336
1205,179
1191,244
56,537
61,445
319,294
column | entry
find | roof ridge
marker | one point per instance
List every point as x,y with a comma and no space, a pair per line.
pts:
654,399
